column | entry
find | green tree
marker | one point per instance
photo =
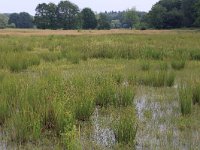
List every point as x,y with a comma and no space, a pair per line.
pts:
25,20
21,20
173,19
131,17
189,12
46,16
156,16
89,20
3,21
197,19
14,18
68,14
103,22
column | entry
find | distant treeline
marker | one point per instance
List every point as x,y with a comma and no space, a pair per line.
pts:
165,14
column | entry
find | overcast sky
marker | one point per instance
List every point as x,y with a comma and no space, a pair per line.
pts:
10,6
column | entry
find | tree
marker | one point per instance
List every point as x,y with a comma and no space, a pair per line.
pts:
173,19
189,12
131,17
68,14
46,16
21,20
25,20
103,22
89,20
197,19
3,21
14,18
156,16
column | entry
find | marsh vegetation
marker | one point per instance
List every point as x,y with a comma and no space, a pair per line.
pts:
137,90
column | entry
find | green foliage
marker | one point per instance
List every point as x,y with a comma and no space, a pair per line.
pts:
3,21
67,15
21,20
103,23
88,18
48,19
131,17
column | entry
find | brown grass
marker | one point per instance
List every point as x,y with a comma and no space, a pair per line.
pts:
25,32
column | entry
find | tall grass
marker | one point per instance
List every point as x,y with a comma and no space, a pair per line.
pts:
125,96
195,54
84,107
196,93
145,65
106,94
20,61
185,99
178,64
125,127
157,79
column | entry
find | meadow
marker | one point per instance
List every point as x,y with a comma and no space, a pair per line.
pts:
117,89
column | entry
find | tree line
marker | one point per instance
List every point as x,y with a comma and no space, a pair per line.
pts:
165,14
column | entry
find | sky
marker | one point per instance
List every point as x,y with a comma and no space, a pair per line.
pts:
10,6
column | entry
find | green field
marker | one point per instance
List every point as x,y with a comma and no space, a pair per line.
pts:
92,90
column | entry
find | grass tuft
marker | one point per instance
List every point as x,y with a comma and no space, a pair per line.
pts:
185,99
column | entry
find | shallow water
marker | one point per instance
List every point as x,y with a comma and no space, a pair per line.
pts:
103,134
157,128
2,142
